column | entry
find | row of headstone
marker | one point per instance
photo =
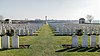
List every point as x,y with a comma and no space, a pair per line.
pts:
78,32
85,41
25,32
5,42
22,29
68,28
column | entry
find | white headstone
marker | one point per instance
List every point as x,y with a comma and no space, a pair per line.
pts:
61,31
99,40
3,32
74,41
93,41
68,31
0,42
95,31
26,32
15,41
21,32
17,32
33,31
71,30
99,32
64,32
90,31
85,31
84,41
30,32
5,42
57,29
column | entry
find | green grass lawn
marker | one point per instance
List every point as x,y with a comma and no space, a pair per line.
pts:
45,44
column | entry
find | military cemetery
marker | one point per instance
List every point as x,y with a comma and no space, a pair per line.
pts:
49,28
77,36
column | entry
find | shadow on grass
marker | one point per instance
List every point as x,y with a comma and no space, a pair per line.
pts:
81,49
93,49
62,50
8,49
74,50
12,49
20,47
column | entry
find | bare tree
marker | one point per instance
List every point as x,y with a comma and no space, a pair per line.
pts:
89,18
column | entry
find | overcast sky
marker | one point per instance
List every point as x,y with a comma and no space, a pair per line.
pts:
54,9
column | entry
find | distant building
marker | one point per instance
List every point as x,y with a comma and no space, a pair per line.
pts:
81,21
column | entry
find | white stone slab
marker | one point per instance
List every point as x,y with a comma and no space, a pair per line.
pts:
71,31
68,31
90,31
95,31
99,32
61,31
30,32
33,31
99,40
15,41
92,41
84,41
17,32
21,32
0,42
5,42
74,41
26,32
85,31
64,32
57,29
